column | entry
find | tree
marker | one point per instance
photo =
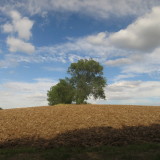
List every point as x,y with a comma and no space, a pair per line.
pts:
87,80
63,93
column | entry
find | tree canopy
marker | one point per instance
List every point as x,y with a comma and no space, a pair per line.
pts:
86,79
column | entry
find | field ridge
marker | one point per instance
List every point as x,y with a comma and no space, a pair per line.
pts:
83,125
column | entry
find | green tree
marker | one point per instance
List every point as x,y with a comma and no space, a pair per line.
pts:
62,92
87,80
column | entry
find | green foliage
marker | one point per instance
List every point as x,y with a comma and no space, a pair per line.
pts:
0,108
87,79
62,93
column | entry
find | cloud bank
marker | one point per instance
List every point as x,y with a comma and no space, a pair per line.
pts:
24,94
103,9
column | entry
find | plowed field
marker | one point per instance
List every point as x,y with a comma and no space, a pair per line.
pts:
79,125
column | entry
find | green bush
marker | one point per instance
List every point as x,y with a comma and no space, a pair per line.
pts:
62,93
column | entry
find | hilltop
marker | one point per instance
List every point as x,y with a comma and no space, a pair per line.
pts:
83,125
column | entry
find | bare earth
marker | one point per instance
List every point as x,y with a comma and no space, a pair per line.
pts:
83,125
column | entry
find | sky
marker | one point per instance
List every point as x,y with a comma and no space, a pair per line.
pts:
39,39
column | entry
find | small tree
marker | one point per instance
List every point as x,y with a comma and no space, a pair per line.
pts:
87,79
63,93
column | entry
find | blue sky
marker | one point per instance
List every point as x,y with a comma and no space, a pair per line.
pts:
40,39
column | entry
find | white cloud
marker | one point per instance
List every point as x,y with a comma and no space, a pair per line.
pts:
100,9
24,94
149,63
126,91
132,58
95,45
132,92
12,60
15,15
137,64
98,39
124,76
17,45
23,27
7,28
119,62
20,25
143,34
19,31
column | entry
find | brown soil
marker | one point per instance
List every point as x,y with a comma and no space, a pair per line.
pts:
79,125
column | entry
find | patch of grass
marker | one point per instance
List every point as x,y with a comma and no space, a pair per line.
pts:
148,151
18,153
12,151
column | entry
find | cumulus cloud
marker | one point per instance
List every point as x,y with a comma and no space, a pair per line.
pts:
143,34
20,25
18,45
141,40
24,94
